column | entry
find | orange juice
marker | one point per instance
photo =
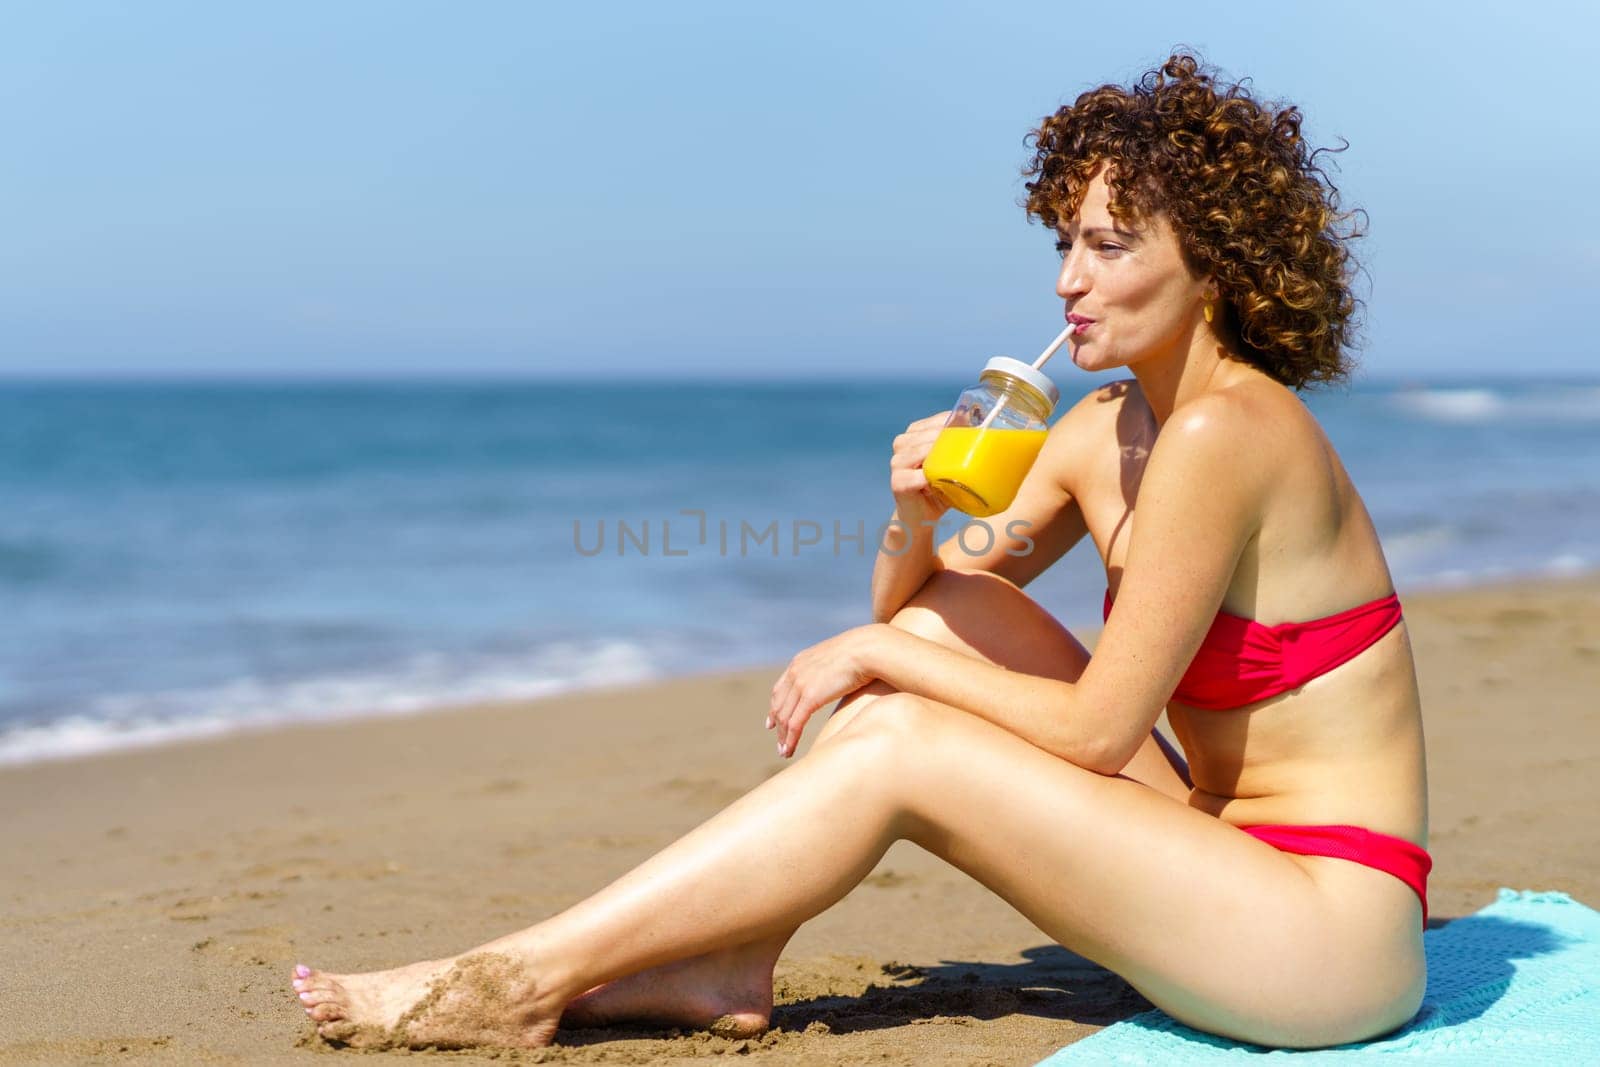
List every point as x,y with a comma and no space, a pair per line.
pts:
979,470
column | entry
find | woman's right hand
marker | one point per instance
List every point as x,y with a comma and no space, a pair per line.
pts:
914,498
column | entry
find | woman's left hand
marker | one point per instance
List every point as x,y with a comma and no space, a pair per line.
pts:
816,676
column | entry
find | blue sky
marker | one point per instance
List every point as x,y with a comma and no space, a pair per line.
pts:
738,190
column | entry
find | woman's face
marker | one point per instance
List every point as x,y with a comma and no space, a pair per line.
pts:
1132,283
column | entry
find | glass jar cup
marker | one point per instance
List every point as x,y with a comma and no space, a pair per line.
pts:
992,437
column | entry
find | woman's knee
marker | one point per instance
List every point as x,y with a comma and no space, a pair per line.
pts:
850,707
987,616
894,718
949,595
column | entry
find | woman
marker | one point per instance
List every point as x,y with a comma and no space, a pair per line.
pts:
1272,889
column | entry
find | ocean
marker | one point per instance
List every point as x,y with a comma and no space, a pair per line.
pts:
185,559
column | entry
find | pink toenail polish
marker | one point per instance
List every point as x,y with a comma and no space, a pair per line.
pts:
302,971
305,997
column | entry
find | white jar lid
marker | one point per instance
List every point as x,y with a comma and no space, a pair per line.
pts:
1028,373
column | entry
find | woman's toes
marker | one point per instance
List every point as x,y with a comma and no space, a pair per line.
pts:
326,1012
312,997
338,1030
302,971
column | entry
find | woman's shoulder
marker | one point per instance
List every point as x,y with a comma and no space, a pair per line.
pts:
1116,408
1264,418
1102,432
1246,411
1256,438
1113,397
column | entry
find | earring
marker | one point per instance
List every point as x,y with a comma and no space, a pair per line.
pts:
1210,312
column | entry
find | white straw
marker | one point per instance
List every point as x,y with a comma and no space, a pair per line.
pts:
1061,339
1055,346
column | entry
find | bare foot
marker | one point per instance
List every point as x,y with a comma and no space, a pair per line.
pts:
727,992
480,999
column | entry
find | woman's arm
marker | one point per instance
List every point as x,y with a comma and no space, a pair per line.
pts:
1038,710
1040,526
906,559
1199,504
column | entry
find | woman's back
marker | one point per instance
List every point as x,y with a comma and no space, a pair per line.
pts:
1347,746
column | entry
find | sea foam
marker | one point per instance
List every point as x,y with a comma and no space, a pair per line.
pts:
135,720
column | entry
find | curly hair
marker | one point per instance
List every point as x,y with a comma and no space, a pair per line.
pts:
1247,201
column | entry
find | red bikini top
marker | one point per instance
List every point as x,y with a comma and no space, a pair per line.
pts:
1241,661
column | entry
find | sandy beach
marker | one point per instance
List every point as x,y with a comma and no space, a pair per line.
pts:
155,900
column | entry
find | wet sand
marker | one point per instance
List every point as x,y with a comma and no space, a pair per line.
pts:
156,900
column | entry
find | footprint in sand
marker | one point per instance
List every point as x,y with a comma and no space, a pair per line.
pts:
888,879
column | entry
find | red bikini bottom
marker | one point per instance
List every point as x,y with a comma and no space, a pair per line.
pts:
1393,855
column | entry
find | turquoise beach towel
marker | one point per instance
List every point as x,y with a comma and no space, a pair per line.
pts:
1515,983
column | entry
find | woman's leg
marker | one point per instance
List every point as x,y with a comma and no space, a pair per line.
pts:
731,989
1219,929
982,615
989,618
